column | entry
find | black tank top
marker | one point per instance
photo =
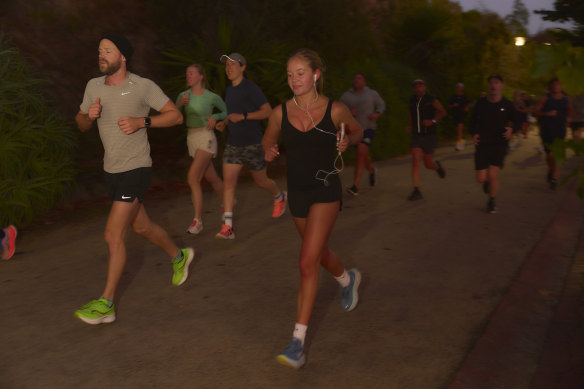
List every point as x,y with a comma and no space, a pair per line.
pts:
557,122
310,151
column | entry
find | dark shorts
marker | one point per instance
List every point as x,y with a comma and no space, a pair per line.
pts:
490,155
127,186
458,119
548,137
368,136
300,200
253,156
577,125
425,142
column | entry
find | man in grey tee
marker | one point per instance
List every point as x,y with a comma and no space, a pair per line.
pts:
366,105
120,103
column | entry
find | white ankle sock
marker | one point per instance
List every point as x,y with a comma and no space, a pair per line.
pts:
279,196
300,332
228,218
344,279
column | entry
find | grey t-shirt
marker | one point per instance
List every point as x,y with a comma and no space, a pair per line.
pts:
365,103
133,98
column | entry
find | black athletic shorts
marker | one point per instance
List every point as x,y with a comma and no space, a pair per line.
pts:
368,136
490,155
127,186
459,119
300,200
427,143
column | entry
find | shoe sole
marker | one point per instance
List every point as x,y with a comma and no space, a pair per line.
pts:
103,319
355,290
221,237
284,360
353,193
186,273
194,233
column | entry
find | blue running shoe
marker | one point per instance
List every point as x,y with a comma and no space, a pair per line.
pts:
350,293
293,354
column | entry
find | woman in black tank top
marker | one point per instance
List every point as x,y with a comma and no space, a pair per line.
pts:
309,123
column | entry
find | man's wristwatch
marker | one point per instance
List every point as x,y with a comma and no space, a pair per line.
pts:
434,121
147,122
245,116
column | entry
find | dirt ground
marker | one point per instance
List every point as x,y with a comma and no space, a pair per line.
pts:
436,272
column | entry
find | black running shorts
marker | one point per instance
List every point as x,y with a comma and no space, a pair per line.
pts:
490,155
427,143
300,201
127,186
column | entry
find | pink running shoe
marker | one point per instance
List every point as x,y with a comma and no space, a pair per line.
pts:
9,242
280,205
225,233
195,227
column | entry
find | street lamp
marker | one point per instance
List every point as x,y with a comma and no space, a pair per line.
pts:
519,41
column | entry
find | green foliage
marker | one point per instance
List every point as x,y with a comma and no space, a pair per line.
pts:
35,145
559,151
564,61
567,11
518,19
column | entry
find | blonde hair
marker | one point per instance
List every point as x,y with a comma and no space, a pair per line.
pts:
201,71
313,60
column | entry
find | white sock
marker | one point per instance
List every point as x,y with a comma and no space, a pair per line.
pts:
344,279
279,196
300,332
229,218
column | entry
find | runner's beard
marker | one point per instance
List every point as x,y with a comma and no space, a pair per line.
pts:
110,68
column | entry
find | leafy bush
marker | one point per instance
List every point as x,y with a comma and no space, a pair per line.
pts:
35,145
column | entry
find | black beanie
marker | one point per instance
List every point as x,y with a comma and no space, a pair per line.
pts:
122,43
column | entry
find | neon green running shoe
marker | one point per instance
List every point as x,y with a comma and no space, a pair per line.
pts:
96,312
181,268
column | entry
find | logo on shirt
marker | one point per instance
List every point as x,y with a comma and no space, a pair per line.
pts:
125,93
126,197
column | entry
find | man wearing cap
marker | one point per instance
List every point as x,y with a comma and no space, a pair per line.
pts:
425,111
366,105
120,101
459,104
246,106
491,126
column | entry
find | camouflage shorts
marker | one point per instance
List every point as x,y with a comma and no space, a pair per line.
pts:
252,156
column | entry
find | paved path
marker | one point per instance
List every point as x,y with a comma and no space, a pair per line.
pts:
440,278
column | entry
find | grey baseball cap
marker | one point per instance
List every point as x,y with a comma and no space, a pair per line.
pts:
235,57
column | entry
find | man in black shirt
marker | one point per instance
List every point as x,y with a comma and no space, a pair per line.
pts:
425,111
491,128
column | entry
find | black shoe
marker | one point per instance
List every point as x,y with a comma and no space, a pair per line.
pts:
549,178
553,183
416,195
372,177
353,190
486,187
491,206
441,172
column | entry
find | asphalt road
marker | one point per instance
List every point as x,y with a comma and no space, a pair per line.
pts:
436,275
